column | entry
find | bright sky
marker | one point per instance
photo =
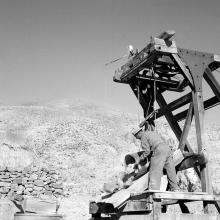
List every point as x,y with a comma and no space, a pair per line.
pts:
53,49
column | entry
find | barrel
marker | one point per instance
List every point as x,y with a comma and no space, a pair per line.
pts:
31,216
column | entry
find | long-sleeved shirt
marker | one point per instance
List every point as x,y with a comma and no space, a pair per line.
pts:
150,140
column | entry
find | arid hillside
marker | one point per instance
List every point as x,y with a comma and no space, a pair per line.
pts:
85,143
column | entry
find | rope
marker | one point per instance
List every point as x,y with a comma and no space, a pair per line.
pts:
138,96
155,96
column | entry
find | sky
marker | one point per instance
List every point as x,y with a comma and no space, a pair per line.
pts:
53,49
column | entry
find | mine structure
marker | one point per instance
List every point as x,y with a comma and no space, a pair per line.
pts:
161,66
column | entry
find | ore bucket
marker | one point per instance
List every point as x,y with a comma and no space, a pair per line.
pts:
31,216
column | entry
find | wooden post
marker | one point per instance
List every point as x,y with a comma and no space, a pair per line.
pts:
199,122
156,209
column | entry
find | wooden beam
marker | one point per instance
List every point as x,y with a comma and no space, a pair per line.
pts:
166,35
199,123
183,68
178,103
159,81
213,83
156,209
212,102
171,120
186,128
185,196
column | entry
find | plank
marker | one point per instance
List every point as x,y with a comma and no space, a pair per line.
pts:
210,103
138,186
166,35
185,196
170,216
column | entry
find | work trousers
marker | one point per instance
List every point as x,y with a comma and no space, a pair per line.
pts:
162,159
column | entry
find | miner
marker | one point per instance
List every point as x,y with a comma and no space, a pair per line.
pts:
160,158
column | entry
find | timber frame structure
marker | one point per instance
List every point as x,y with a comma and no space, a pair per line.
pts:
162,66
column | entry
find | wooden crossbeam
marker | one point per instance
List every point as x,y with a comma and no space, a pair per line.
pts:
171,120
212,102
159,81
183,68
178,103
186,196
186,128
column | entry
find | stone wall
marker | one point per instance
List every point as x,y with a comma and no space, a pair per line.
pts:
37,182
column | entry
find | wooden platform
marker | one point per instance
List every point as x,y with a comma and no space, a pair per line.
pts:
148,205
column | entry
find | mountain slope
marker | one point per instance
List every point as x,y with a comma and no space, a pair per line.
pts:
85,142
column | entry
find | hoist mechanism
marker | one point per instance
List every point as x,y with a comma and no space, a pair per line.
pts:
161,66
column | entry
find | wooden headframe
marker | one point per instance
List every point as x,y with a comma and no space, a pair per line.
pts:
174,69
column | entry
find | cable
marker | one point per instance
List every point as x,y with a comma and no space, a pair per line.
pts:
138,96
155,96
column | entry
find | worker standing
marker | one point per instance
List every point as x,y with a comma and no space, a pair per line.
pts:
161,158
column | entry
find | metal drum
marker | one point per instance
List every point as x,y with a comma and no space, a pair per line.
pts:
31,216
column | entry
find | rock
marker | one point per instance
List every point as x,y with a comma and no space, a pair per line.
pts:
35,169
18,181
19,192
48,193
21,188
44,178
47,187
55,177
4,190
58,191
24,180
19,198
29,184
14,186
7,210
2,168
5,184
34,176
5,176
6,180
39,183
38,188
27,192
56,186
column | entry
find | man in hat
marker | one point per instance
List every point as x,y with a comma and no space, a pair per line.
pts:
161,158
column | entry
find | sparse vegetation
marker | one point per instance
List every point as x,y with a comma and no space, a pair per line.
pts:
85,143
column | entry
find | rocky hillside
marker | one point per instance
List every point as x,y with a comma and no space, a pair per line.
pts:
84,143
